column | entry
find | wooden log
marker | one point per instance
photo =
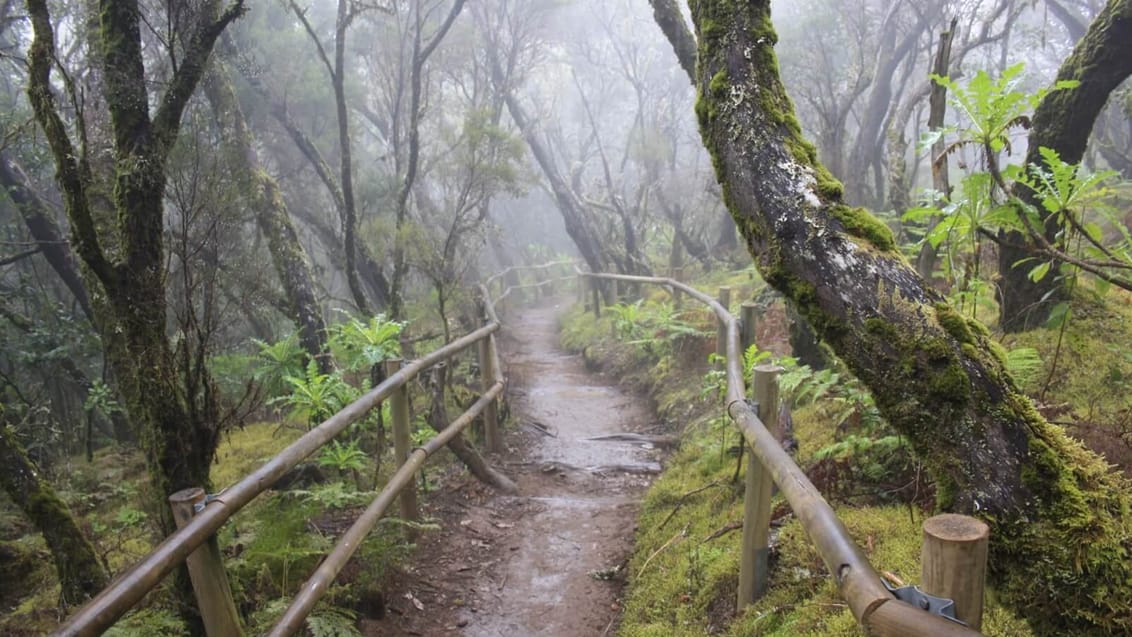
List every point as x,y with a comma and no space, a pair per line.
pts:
206,570
954,563
399,413
754,571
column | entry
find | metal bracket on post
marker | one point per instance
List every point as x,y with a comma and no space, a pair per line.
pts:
208,498
912,595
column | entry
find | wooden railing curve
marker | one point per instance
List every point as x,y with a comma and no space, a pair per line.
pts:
132,585
876,609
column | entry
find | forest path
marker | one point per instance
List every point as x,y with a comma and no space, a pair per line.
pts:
526,564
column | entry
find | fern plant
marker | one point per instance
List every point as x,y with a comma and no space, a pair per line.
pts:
361,345
346,458
276,362
316,396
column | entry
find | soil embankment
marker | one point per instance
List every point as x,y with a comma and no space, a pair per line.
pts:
550,560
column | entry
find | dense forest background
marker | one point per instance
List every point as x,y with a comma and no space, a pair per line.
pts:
223,213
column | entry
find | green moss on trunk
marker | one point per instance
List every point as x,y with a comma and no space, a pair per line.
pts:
80,573
1058,516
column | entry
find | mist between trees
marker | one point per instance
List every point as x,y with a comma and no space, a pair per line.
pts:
191,187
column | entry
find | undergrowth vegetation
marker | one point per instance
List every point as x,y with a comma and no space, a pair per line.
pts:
684,570
272,545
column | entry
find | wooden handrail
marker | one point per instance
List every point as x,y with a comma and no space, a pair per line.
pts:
128,588
328,570
874,607
131,586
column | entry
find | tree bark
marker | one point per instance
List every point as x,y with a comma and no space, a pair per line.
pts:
1063,120
671,22
287,254
80,573
44,230
1058,514
177,416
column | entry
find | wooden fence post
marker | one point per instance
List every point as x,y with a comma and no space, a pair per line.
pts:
721,326
953,563
399,414
206,570
580,289
487,379
748,325
753,561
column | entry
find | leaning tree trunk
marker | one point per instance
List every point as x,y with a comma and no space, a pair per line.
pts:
80,573
1058,515
287,254
1101,61
44,230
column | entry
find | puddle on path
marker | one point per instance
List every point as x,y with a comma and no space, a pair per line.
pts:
526,565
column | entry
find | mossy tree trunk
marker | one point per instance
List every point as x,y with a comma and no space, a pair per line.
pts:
1060,518
1063,121
80,573
173,406
274,222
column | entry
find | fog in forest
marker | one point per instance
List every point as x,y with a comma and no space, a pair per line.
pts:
206,200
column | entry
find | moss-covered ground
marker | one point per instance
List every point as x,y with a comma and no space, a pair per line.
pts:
684,570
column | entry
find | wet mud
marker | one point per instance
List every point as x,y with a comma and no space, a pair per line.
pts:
550,560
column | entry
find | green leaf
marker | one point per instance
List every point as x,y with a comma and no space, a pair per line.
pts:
1039,272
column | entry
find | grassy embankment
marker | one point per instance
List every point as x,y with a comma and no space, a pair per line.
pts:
683,574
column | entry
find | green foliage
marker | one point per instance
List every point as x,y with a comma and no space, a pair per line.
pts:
231,373
100,399
342,457
992,107
1079,202
149,621
333,495
316,396
653,328
333,622
970,209
1024,364
278,361
844,397
361,345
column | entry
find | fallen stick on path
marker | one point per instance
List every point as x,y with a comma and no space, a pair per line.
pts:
659,441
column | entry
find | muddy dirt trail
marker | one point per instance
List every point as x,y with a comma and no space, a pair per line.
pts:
550,560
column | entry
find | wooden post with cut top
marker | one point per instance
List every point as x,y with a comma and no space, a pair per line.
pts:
206,570
754,573
953,563
748,325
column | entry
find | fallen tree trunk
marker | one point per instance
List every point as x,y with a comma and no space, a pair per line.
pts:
461,448
1059,516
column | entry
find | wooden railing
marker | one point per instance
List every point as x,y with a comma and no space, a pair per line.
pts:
199,518
876,608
